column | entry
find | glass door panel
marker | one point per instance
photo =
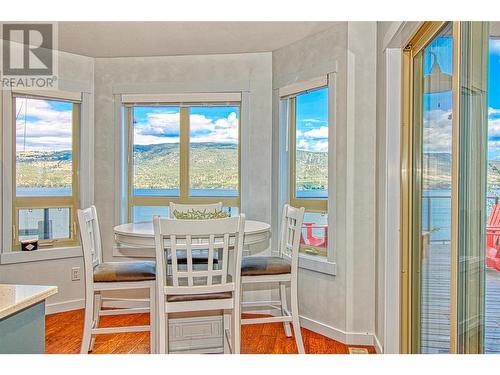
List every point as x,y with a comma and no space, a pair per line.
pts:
432,197
492,243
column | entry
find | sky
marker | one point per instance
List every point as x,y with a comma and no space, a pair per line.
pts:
46,123
155,125
312,121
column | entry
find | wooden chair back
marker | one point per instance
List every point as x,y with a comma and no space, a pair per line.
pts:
210,207
91,241
174,237
494,218
291,231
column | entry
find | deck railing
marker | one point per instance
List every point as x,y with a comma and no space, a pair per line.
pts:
438,223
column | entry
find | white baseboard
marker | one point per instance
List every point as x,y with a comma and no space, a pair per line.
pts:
58,307
348,338
378,347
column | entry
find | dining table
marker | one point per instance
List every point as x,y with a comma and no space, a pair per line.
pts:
140,235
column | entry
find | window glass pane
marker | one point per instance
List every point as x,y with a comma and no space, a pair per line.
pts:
156,156
233,211
492,293
43,147
44,223
314,239
311,143
213,157
433,69
146,213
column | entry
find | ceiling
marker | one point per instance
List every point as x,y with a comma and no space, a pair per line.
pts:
120,39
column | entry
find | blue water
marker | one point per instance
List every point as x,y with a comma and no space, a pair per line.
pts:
313,193
192,192
43,192
440,213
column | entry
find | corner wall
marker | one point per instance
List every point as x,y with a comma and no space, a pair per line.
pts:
342,306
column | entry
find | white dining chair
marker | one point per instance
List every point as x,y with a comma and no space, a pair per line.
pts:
191,289
281,269
209,207
111,276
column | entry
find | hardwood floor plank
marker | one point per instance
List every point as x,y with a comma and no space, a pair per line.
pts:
64,333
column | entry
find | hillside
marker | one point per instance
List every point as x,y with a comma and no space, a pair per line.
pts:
212,166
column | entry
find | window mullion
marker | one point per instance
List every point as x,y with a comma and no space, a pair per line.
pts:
184,152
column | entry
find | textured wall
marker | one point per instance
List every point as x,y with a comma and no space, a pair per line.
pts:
203,73
345,301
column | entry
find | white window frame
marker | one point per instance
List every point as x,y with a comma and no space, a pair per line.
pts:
320,264
85,171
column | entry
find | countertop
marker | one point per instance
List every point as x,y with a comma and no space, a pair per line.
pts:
14,298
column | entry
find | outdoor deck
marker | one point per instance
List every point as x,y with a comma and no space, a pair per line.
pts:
436,303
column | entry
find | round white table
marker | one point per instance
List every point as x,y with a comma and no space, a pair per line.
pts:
141,235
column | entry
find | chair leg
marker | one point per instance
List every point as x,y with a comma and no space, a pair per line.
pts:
161,322
226,322
295,317
152,319
87,324
284,307
236,325
165,332
96,317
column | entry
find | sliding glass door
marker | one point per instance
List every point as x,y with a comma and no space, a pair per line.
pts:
444,169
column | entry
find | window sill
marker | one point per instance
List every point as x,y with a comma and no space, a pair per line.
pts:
12,257
317,264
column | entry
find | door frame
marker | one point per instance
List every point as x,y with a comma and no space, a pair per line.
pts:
409,240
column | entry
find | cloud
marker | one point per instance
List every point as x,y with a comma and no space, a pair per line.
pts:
163,127
313,140
318,133
494,46
437,131
40,126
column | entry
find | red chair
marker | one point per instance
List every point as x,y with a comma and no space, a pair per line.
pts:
493,238
310,239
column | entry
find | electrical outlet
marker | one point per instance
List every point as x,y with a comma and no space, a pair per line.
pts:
75,273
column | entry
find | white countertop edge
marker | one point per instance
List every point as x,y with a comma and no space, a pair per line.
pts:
42,292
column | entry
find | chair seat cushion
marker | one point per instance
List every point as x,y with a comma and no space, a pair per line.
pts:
124,271
198,297
199,257
255,265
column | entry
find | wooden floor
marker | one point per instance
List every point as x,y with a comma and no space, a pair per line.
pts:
435,309
64,332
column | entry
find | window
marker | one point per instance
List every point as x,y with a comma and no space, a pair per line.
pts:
45,170
308,145
187,153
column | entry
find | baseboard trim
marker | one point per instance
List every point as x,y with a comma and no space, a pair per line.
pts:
378,346
348,338
63,306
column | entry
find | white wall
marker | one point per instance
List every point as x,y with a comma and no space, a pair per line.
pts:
344,304
75,72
